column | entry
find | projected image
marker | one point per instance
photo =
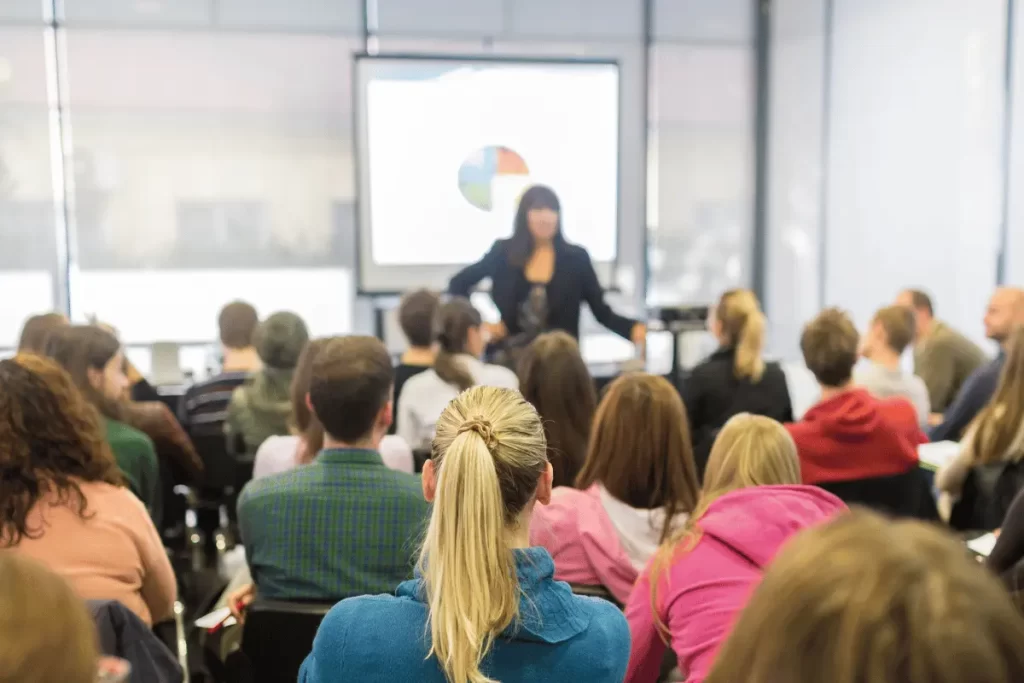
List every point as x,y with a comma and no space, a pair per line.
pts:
487,167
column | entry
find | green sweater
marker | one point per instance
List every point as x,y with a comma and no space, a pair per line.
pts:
136,456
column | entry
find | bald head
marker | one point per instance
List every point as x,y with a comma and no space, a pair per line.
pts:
1005,311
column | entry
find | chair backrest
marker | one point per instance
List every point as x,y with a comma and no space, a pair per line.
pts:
900,495
220,470
419,457
279,635
986,496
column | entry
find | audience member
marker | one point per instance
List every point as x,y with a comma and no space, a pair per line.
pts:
204,407
416,314
849,434
637,485
943,357
997,434
95,361
260,407
555,380
735,379
344,524
751,503
1007,557
46,634
38,329
1005,311
282,453
64,500
457,367
863,599
486,601
891,330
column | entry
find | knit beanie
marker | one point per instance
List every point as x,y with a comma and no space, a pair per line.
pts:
280,339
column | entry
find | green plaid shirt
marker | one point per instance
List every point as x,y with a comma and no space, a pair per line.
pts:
341,526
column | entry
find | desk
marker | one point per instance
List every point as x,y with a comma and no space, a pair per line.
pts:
933,456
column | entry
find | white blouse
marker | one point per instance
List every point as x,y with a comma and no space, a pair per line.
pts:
425,396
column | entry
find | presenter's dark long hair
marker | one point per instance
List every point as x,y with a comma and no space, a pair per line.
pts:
520,245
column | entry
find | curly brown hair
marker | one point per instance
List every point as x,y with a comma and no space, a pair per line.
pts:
51,441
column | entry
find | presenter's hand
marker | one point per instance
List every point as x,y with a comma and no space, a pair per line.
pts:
639,338
495,332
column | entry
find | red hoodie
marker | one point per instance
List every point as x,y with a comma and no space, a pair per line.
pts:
856,436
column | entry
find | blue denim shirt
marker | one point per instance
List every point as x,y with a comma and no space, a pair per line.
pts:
560,636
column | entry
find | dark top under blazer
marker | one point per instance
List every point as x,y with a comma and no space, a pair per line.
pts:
712,394
573,282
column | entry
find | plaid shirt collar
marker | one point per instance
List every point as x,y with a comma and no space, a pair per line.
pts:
350,456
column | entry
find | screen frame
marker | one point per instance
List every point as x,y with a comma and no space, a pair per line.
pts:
606,270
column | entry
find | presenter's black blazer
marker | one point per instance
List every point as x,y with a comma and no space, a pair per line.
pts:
573,282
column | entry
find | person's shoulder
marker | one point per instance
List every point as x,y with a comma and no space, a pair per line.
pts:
899,411
419,385
124,435
259,492
359,629
607,634
500,376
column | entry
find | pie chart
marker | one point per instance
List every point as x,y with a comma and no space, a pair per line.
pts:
485,167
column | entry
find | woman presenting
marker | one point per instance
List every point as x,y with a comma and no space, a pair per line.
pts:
538,280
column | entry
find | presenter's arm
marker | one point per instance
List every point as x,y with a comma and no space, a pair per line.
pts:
467,278
594,296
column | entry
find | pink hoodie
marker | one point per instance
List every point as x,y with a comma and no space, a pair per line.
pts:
704,589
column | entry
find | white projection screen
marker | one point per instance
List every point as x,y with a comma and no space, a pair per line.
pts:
446,146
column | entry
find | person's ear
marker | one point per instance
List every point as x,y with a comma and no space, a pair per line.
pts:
545,484
386,415
429,481
96,378
309,404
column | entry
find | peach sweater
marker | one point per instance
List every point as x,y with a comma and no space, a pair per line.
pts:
115,553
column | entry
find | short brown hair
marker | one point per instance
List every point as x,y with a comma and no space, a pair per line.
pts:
554,378
865,599
416,315
640,448
79,348
921,301
352,381
829,345
898,323
237,322
38,329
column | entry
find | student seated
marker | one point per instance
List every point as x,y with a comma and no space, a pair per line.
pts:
1007,557
204,407
46,631
282,453
750,504
94,359
556,381
863,599
484,605
638,484
735,379
416,314
849,434
37,330
457,367
890,332
997,434
943,357
259,408
64,501
344,524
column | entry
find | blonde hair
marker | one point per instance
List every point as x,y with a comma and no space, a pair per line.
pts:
489,453
996,428
743,325
864,599
750,450
46,633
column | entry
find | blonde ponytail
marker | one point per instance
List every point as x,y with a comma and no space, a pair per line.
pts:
743,324
488,455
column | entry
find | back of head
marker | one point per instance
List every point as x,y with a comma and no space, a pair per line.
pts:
351,384
454,320
996,427
743,325
919,301
238,322
51,437
898,324
38,329
488,455
864,599
81,348
280,339
416,316
829,344
554,378
640,449
46,633
303,422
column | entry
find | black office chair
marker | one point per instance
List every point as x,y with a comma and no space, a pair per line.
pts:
900,495
277,638
419,457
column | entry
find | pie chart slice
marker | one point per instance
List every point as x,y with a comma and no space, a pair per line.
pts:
479,171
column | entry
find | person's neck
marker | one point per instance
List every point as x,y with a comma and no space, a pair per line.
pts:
886,358
924,329
543,245
241,360
369,443
831,392
519,537
418,355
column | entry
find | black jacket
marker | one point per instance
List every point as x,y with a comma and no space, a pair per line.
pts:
712,394
573,282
